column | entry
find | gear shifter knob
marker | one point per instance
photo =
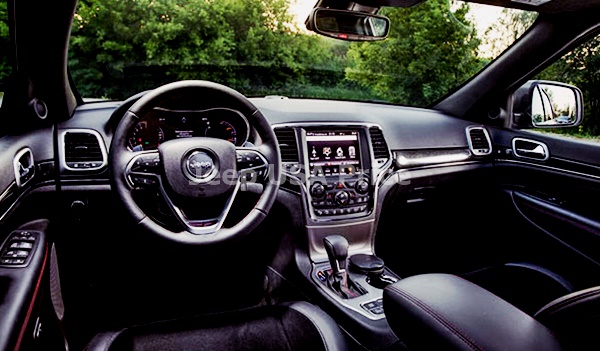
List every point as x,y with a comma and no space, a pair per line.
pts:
339,281
337,251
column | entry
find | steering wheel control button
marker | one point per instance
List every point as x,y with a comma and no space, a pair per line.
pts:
18,248
144,181
252,165
201,166
146,164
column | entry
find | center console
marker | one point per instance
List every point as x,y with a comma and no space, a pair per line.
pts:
338,172
342,173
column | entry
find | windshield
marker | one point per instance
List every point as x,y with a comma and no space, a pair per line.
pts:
261,47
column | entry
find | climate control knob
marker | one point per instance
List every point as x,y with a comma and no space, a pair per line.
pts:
362,187
342,197
317,190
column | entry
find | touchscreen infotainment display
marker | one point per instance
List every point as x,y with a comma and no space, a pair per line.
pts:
333,152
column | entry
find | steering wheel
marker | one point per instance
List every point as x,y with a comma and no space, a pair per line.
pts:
198,177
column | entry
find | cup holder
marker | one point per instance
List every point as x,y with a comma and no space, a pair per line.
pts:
374,268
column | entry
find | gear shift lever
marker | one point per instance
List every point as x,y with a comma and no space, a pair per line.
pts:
336,247
337,252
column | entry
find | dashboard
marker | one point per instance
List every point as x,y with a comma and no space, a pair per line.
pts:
161,124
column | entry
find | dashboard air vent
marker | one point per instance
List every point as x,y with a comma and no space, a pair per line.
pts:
83,150
287,144
479,141
380,147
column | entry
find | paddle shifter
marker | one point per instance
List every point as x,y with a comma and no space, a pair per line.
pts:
338,280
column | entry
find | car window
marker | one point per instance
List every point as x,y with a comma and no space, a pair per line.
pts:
262,47
5,68
581,68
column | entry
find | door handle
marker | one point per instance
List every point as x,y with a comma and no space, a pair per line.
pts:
531,149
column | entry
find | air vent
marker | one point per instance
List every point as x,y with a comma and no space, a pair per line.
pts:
83,150
479,141
380,147
287,144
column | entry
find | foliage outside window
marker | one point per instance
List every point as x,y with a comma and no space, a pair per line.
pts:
581,67
5,68
121,47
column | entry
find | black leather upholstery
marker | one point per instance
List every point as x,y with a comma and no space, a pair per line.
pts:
293,326
445,312
574,317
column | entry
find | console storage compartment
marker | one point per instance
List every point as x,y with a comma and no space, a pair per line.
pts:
446,312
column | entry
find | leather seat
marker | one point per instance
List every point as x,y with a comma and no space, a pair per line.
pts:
446,312
441,312
574,317
290,326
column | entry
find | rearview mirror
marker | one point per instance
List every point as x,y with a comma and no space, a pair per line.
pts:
547,104
348,25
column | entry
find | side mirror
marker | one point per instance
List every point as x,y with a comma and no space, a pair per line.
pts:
547,104
348,25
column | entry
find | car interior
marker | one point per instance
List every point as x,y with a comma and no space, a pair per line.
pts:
193,217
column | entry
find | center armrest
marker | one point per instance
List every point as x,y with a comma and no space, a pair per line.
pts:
446,312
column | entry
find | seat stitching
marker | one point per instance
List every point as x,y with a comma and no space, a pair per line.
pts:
449,325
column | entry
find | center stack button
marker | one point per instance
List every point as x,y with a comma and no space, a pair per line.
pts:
342,197
317,189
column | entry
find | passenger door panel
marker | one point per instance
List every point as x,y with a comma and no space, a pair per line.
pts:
524,229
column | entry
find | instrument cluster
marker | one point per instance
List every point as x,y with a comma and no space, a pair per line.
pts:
160,125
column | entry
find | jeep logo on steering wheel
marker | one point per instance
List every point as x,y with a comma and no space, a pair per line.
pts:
200,165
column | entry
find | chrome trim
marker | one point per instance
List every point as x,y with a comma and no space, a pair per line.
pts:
478,152
8,191
354,304
544,152
214,167
200,230
20,196
432,157
537,165
334,225
17,166
61,146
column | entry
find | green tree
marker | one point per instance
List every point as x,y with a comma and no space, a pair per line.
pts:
506,30
119,47
5,68
581,67
430,50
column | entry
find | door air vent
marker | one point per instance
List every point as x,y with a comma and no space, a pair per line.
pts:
288,144
479,141
83,150
380,147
